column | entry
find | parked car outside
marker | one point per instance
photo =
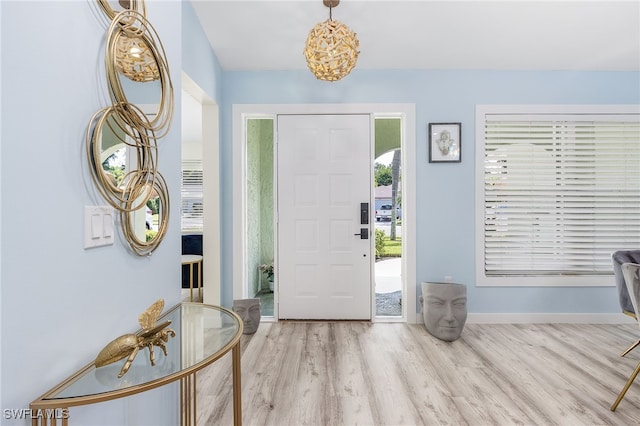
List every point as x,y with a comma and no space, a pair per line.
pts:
384,213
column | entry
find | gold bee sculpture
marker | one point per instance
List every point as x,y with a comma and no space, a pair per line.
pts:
129,344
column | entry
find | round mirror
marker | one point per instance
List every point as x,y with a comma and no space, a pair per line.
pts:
145,228
124,171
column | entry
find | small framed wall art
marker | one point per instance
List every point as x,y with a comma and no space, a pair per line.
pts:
444,143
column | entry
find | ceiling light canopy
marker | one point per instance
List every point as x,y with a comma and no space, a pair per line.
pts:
331,49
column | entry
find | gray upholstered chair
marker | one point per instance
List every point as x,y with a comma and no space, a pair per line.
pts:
618,258
631,273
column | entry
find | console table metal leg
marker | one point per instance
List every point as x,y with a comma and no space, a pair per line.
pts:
237,386
188,400
200,298
191,282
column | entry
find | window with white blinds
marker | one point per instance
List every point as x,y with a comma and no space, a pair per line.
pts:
559,193
191,192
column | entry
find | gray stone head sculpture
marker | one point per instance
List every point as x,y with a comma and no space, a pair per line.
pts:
444,307
249,311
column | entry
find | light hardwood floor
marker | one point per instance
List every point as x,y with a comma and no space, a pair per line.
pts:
358,373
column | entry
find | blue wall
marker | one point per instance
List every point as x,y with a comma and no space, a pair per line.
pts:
445,192
61,303
199,61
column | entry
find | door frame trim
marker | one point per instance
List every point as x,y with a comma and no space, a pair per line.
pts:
408,150
211,237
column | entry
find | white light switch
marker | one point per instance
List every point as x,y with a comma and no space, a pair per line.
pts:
98,226
107,225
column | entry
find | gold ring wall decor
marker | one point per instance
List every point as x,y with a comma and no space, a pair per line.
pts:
140,245
146,150
132,25
133,58
133,50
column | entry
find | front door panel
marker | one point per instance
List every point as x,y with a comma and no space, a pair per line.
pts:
324,176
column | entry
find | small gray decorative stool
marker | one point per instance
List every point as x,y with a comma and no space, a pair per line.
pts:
444,307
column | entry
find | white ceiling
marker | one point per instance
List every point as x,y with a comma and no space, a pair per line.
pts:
428,34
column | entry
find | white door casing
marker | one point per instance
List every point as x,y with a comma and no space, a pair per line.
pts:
211,235
238,262
324,269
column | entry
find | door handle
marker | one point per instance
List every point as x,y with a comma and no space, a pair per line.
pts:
364,233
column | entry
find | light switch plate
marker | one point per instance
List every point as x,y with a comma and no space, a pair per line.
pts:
98,226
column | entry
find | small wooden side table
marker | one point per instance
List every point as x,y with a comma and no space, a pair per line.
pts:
192,259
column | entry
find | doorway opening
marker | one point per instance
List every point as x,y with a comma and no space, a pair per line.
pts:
249,280
389,290
200,189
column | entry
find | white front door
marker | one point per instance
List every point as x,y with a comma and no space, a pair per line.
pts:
324,174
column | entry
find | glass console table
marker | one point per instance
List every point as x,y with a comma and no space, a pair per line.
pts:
204,333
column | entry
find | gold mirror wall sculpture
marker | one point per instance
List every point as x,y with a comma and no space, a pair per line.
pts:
121,194
331,49
137,240
130,25
133,57
133,50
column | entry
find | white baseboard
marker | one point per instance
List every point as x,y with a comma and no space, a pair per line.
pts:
546,318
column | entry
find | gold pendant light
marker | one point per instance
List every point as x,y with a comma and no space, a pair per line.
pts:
331,49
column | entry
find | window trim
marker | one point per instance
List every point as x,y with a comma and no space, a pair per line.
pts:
522,281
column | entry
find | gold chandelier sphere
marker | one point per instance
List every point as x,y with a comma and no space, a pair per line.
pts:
331,50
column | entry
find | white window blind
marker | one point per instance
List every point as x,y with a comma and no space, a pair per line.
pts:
561,192
191,212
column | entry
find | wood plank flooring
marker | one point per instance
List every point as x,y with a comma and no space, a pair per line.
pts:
359,373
